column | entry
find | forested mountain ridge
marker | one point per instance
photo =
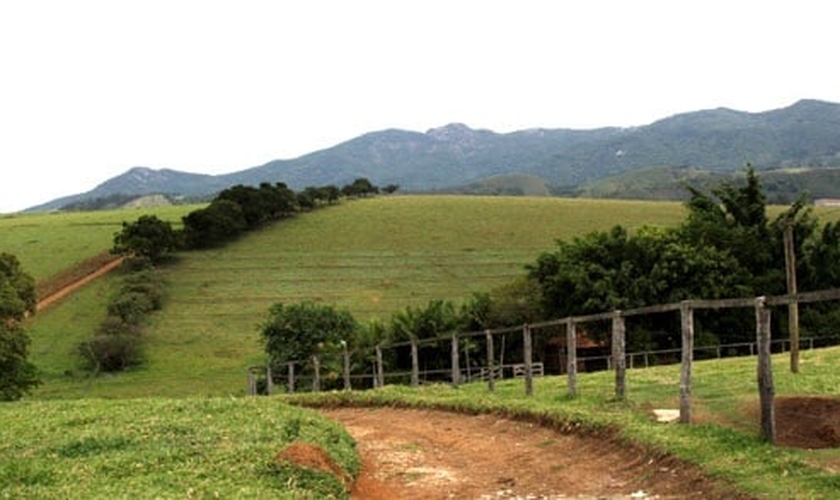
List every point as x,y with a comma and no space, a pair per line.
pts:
720,141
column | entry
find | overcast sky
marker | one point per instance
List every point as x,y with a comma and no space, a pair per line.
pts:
89,89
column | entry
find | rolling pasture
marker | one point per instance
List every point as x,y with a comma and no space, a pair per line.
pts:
372,256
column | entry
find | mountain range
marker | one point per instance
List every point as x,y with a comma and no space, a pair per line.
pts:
609,161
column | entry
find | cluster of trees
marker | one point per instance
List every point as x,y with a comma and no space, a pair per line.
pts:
726,247
17,299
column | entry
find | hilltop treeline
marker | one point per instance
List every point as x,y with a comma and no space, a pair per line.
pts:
148,241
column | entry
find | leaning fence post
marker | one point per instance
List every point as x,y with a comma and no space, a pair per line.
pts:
415,363
456,365
290,387
619,363
527,348
766,390
380,370
687,321
571,356
316,379
491,371
346,373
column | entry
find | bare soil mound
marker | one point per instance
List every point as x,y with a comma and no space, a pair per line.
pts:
313,457
425,454
808,422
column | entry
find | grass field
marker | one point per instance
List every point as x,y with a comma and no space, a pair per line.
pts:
159,448
47,244
372,256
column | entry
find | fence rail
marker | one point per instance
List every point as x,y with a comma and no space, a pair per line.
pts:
523,338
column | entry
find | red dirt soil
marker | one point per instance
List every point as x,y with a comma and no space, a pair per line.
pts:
426,454
808,422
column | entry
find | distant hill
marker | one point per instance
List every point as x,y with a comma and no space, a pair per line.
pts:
452,157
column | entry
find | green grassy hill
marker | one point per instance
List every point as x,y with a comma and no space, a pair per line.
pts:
372,256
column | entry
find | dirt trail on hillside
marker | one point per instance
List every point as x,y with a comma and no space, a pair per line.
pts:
425,454
44,302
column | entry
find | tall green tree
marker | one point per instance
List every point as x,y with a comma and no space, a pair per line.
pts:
147,237
17,299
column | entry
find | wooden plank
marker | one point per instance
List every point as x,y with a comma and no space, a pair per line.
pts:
346,371
380,370
766,389
687,323
290,377
527,351
415,363
618,353
571,357
456,365
316,379
491,371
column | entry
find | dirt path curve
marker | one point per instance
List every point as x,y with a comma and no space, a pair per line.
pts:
425,454
70,288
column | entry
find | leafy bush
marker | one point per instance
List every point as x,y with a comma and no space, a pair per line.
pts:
111,353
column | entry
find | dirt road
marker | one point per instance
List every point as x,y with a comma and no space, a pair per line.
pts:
424,454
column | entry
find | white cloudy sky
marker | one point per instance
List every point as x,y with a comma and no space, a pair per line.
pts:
89,89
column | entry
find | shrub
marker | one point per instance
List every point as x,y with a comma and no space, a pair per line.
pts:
111,353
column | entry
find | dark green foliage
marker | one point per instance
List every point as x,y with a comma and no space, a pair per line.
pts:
148,237
131,307
111,353
17,375
725,248
17,299
17,289
219,222
359,187
117,343
297,331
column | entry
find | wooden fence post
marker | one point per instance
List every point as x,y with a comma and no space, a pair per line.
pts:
491,371
687,321
346,373
618,354
571,357
766,390
528,348
380,370
415,363
793,307
290,385
456,365
316,379
269,380
252,383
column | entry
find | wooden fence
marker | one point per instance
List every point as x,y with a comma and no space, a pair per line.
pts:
492,369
